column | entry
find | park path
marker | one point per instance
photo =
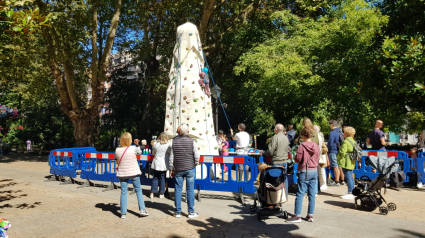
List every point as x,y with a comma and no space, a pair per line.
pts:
47,209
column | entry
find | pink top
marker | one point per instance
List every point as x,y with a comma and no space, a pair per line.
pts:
129,166
225,148
305,151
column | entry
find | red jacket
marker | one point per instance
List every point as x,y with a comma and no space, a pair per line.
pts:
304,152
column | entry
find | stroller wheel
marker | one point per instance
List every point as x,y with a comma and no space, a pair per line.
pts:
285,214
383,210
259,216
253,208
392,206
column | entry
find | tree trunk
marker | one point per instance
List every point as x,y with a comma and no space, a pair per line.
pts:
84,130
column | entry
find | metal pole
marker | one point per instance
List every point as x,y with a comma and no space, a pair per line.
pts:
216,115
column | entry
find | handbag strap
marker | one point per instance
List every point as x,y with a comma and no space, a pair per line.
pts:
121,157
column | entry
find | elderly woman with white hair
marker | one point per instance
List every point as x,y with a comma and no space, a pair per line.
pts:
323,159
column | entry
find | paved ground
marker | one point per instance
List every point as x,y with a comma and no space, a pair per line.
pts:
47,209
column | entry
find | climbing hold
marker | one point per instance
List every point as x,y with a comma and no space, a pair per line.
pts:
200,134
178,45
193,82
168,116
206,132
174,77
179,103
188,118
193,91
187,48
191,65
199,48
202,98
168,99
172,106
209,115
195,99
193,128
199,148
190,34
196,110
183,111
171,123
208,103
185,78
178,117
166,129
205,119
212,125
183,86
171,87
188,70
196,57
187,102
196,140
215,148
175,81
184,98
203,107
197,121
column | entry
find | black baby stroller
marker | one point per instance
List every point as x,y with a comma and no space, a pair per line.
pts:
369,192
271,193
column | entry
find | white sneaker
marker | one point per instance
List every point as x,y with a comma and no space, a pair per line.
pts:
151,196
348,196
177,215
123,216
193,214
161,195
420,185
324,187
144,213
316,195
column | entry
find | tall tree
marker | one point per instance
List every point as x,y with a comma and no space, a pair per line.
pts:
71,37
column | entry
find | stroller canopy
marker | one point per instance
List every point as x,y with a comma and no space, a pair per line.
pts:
382,164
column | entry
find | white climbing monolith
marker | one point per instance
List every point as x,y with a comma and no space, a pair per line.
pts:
188,101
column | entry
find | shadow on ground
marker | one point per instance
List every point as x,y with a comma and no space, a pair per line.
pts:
13,157
8,195
410,233
342,204
246,226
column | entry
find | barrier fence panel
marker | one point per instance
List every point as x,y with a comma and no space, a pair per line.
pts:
66,162
419,164
241,179
404,162
98,166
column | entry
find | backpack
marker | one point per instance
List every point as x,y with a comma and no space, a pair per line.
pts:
357,153
341,139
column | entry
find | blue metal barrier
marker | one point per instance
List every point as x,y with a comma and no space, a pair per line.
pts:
98,166
66,162
405,163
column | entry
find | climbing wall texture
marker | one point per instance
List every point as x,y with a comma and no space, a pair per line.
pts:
187,99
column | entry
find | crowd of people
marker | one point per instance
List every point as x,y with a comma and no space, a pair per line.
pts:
313,155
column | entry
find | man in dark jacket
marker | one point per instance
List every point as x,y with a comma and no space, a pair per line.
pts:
183,159
333,147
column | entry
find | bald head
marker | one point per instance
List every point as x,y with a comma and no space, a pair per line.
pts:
279,128
379,124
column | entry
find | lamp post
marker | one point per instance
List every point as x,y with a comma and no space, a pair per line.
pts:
216,94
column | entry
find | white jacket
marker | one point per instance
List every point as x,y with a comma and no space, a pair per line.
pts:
128,167
162,156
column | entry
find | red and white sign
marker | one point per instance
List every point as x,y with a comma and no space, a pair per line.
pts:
145,157
380,153
100,155
222,159
62,153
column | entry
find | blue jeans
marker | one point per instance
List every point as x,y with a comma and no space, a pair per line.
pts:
308,185
286,177
124,189
158,175
190,193
350,180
